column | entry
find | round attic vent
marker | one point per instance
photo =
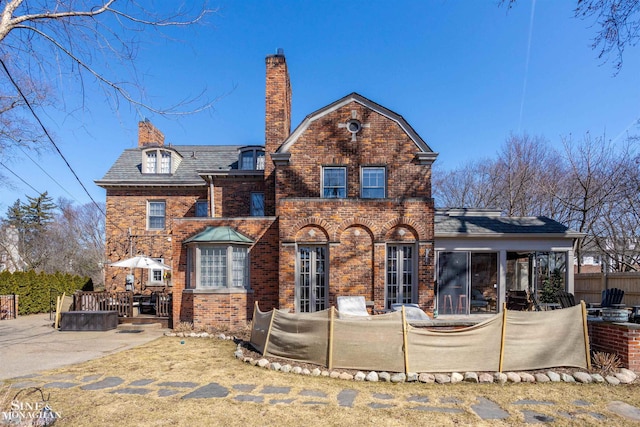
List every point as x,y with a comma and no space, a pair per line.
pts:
354,126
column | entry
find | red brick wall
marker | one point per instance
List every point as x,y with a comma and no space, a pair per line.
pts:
357,230
208,309
148,134
233,197
621,339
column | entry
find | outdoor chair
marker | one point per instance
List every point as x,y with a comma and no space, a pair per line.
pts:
610,298
411,311
350,306
518,300
478,301
566,299
149,305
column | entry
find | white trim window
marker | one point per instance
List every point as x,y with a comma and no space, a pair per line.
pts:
373,183
334,182
157,161
156,275
156,215
219,266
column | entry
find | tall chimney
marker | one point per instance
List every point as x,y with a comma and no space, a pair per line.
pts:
148,134
277,119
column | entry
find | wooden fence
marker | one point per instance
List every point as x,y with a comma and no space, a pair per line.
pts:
589,286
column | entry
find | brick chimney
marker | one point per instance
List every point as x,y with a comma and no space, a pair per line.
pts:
277,119
148,134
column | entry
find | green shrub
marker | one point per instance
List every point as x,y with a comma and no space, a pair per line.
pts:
37,291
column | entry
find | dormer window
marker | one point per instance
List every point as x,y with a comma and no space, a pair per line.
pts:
157,161
251,159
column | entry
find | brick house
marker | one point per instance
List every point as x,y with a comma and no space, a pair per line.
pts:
340,206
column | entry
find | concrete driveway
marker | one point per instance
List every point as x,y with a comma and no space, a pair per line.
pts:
30,344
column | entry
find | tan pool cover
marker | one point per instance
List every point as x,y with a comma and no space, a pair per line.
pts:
532,340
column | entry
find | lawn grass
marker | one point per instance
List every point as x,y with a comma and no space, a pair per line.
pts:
205,361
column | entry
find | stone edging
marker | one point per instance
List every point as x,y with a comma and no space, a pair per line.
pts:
624,376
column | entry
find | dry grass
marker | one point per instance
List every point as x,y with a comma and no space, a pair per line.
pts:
204,361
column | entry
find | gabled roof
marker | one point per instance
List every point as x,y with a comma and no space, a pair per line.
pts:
222,234
354,97
127,170
491,225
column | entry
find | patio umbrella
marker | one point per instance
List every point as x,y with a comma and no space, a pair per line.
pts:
140,261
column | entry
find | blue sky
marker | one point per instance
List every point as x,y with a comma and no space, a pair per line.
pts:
456,71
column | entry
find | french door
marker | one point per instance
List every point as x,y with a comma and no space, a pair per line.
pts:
400,274
312,286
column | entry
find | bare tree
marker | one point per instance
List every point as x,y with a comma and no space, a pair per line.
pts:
617,25
52,47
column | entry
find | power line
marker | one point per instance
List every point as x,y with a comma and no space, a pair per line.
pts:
46,132
20,178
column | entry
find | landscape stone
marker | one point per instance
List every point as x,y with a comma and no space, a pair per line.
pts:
60,384
212,390
583,377
554,376
419,399
372,377
597,378
275,390
456,377
246,388
629,373
296,370
238,354
567,378
89,378
281,401
442,378
378,405
263,363
334,374
541,378
316,372
105,383
471,377
285,368
164,392
412,377
132,390
513,377
313,393
612,380
359,376
500,377
384,376
305,371
426,378
532,417
141,383
275,366
249,398
485,377
489,410
382,396
624,410
325,373
345,376
623,378
347,397
527,377
398,377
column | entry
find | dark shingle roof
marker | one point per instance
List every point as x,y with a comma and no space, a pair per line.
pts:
497,225
127,169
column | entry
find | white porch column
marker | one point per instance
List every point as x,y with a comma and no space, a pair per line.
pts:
569,272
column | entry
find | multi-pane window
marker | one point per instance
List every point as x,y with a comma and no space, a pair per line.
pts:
152,160
400,274
312,284
156,274
165,162
373,183
257,204
202,208
252,159
157,161
334,182
221,267
156,215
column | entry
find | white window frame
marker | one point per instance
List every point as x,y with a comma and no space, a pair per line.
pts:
153,273
258,158
363,181
150,204
323,187
157,161
234,268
